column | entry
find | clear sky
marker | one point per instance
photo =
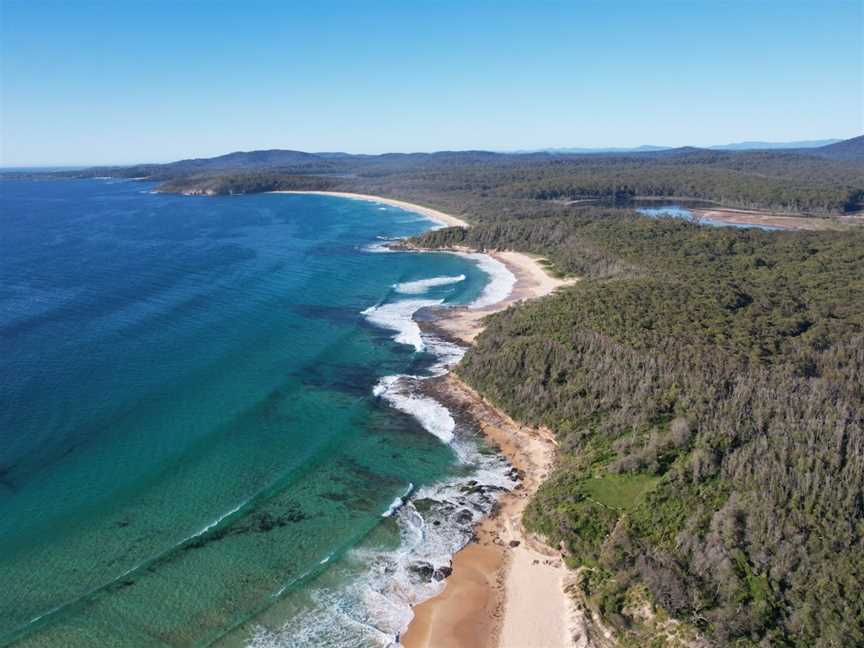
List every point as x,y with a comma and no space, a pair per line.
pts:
124,81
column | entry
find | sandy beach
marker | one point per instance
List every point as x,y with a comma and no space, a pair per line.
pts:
507,587
532,281
433,214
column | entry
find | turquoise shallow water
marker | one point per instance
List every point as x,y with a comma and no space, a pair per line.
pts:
190,446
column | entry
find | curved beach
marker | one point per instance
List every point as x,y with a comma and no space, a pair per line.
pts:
428,212
507,587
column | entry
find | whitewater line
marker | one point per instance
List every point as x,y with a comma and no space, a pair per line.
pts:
423,285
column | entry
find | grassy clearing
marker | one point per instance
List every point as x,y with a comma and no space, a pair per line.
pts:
622,492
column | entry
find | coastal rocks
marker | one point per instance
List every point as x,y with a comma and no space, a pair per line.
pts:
199,192
464,517
427,572
422,569
473,487
424,505
442,572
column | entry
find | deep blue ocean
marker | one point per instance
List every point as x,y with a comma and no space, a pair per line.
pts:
208,417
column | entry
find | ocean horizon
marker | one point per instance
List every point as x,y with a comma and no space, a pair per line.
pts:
212,428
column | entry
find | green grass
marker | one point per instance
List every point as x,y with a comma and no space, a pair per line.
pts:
622,492
663,513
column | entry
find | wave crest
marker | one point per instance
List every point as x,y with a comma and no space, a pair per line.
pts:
422,285
432,415
399,316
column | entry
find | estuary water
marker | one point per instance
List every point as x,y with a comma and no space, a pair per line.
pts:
210,428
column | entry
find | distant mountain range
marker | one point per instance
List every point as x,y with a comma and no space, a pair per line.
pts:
765,146
851,150
737,146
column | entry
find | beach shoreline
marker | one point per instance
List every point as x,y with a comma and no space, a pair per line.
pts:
432,214
506,589
464,324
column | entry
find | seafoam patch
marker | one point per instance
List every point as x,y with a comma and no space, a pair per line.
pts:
399,317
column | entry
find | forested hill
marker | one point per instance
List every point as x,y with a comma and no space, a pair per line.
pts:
815,181
851,149
780,181
705,387
806,181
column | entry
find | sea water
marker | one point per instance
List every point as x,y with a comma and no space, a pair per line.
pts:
210,422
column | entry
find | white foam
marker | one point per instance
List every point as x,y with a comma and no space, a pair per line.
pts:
501,280
432,415
216,522
378,248
448,354
422,285
398,502
399,316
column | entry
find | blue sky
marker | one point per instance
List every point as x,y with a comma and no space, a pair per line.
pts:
117,82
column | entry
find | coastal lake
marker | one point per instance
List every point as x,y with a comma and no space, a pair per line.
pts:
210,429
676,208
685,212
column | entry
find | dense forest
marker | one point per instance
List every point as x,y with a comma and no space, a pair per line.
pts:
779,181
705,386
821,181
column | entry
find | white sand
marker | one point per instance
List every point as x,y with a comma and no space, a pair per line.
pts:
432,214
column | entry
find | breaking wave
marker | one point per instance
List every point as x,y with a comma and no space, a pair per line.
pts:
422,285
399,316
432,415
501,280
